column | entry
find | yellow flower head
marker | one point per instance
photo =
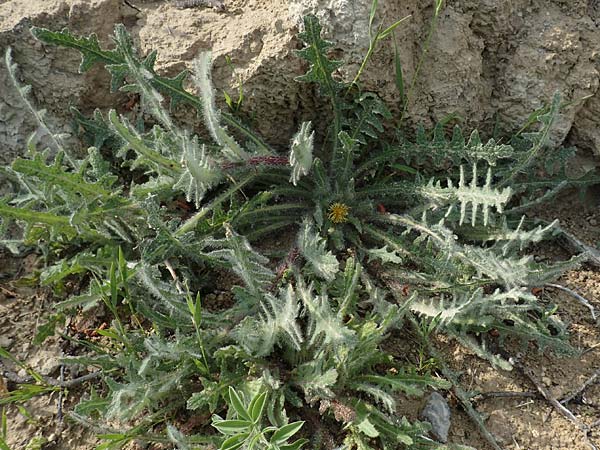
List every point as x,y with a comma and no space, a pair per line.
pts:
338,212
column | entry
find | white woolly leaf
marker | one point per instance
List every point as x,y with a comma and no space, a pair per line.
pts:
467,195
384,255
511,271
245,261
153,100
277,323
200,172
312,247
475,308
38,114
324,325
522,238
230,148
177,438
316,382
301,153
380,396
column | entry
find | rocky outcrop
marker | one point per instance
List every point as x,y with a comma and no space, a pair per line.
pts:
51,72
489,63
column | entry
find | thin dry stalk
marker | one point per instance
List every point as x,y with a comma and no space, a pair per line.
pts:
585,302
174,276
507,394
583,387
565,412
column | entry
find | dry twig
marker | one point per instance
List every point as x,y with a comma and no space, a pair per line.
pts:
174,276
583,387
8,291
506,394
564,411
59,411
462,396
132,5
578,246
15,378
585,302
591,349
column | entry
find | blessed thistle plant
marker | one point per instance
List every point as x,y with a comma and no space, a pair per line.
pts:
426,230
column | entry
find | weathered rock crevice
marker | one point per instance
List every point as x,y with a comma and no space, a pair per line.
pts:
490,63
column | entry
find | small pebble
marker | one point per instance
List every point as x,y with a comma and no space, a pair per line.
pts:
5,342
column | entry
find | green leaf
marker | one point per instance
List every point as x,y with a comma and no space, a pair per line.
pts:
228,100
57,175
285,432
238,404
89,47
147,156
234,442
96,129
115,63
404,168
366,427
539,139
343,160
372,16
257,406
389,30
399,77
369,113
231,426
411,384
321,68
295,445
36,443
47,329
195,308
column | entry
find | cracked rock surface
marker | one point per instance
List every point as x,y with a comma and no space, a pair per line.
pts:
489,63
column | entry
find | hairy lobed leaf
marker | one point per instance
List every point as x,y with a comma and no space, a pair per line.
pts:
313,248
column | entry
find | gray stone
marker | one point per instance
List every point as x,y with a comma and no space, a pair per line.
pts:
437,413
